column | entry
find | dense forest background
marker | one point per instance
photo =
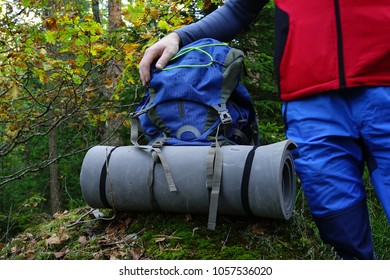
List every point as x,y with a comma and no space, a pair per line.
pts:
69,80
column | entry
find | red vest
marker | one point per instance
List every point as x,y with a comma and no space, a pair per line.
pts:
330,44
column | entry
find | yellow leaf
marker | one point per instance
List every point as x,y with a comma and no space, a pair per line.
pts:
88,18
43,51
51,24
90,88
163,24
99,47
130,47
130,80
108,83
14,90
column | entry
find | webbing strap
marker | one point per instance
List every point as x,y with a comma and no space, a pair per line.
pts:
167,170
245,181
134,131
214,179
242,138
210,168
152,198
156,149
103,179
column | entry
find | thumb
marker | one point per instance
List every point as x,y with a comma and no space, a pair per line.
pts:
167,54
162,62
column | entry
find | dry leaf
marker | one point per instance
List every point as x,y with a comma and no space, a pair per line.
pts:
63,234
59,255
160,239
54,239
188,218
57,214
258,229
114,254
15,250
136,254
30,255
98,255
83,240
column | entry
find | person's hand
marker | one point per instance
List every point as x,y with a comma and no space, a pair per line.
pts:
162,50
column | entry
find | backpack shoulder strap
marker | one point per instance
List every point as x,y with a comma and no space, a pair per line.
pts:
231,72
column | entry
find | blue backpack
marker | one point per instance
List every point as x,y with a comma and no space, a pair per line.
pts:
197,99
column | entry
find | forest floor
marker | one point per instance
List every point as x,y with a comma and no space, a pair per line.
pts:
84,234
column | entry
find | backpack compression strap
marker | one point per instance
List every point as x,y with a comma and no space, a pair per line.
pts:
245,181
214,166
103,179
155,148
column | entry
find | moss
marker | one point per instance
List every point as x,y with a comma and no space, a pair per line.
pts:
78,235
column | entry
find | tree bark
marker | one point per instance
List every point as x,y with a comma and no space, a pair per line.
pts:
96,11
55,204
113,72
114,14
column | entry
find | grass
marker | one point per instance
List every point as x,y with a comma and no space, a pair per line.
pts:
78,235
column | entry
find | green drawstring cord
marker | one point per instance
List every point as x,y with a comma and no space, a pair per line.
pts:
190,49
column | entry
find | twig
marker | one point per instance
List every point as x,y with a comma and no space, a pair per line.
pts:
79,220
226,239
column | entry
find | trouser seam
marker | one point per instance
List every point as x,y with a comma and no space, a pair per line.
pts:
339,212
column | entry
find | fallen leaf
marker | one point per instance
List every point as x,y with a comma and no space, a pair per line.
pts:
63,234
27,236
136,254
54,239
259,229
188,218
59,255
30,255
83,240
15,250
160,239
114,254
57,214
98,255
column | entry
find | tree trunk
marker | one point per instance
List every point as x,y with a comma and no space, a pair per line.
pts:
114,14
55,204
96,11
113,72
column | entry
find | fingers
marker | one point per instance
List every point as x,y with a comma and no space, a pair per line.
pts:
162,51
144,66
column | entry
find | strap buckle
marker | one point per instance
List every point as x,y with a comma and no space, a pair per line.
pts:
157,144
223,112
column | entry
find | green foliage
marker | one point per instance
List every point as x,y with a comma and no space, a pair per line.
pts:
62,71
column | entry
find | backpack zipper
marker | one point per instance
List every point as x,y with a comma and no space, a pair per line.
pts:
340,45
180,105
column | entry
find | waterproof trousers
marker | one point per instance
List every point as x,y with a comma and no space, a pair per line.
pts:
337,133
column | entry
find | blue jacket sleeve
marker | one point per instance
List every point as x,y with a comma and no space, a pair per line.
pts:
224,23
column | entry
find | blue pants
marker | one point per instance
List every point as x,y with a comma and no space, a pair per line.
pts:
337,133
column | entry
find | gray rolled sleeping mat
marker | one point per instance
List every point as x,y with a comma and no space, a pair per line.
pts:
258,181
